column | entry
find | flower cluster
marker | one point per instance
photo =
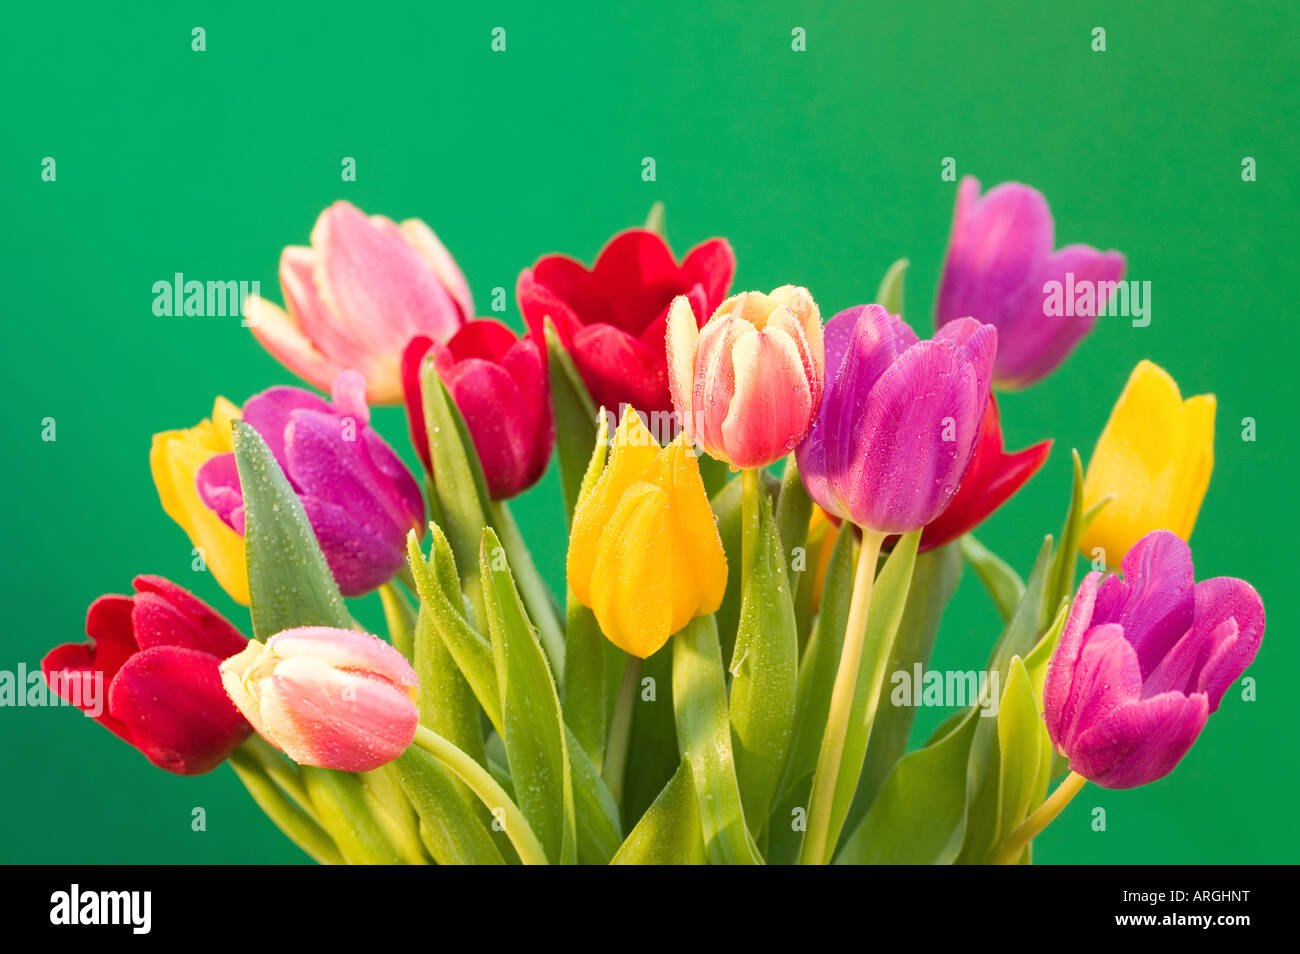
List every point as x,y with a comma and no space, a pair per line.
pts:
768,606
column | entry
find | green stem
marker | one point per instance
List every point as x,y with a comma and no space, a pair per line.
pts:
1011,849
297,825
491,794
537,598
752,479
620,728
816,845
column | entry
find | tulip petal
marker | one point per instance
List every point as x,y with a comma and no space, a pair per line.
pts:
1058,707
1219,601
996,241
1154,602
632,580
915,439
172,702
1192,477
423,239
1105,677
1141,741
346,721
346,650
772,404
1034,342
681,341
284,338
164,614
618,368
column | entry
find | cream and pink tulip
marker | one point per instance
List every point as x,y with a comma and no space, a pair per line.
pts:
748,384
333,698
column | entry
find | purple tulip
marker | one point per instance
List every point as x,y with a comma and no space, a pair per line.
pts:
899,418
359,497
1000,258
1144,660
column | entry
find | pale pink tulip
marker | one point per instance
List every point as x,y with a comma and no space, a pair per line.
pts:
357,296
333,698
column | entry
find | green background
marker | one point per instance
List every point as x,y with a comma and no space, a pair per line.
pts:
821,167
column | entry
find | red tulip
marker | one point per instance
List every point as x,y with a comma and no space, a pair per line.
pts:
157,654
990,480
499,385
613,317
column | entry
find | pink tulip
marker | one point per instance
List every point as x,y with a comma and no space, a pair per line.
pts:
1144,661
748,384
334,698
364,288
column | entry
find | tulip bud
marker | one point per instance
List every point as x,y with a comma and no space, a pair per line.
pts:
899,421
333,698
1000,256
1144,660
156,655
358,495
364,288
644,551
748,384
1154,457
499,385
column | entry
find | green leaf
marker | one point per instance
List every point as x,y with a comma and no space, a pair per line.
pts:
457,476
586,677
537,596
919,816
1003,583
390,808
655,221
1024,752
652,747
819,664
934,579
888,600
1022,632
669,832
288,578
400,618
765,673
982,786
728,507
533,725
447,704
599,828
575,418
890,292
1060,582
793,511
704,738
452,830
438,585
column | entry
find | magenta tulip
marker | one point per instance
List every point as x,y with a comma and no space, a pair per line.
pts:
359,497
1144,660
1000,258
333,698
156,655
899,420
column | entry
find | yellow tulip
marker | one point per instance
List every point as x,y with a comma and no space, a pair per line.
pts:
1155,456
175,458
644,552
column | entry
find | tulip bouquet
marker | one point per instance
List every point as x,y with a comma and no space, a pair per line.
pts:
767,517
